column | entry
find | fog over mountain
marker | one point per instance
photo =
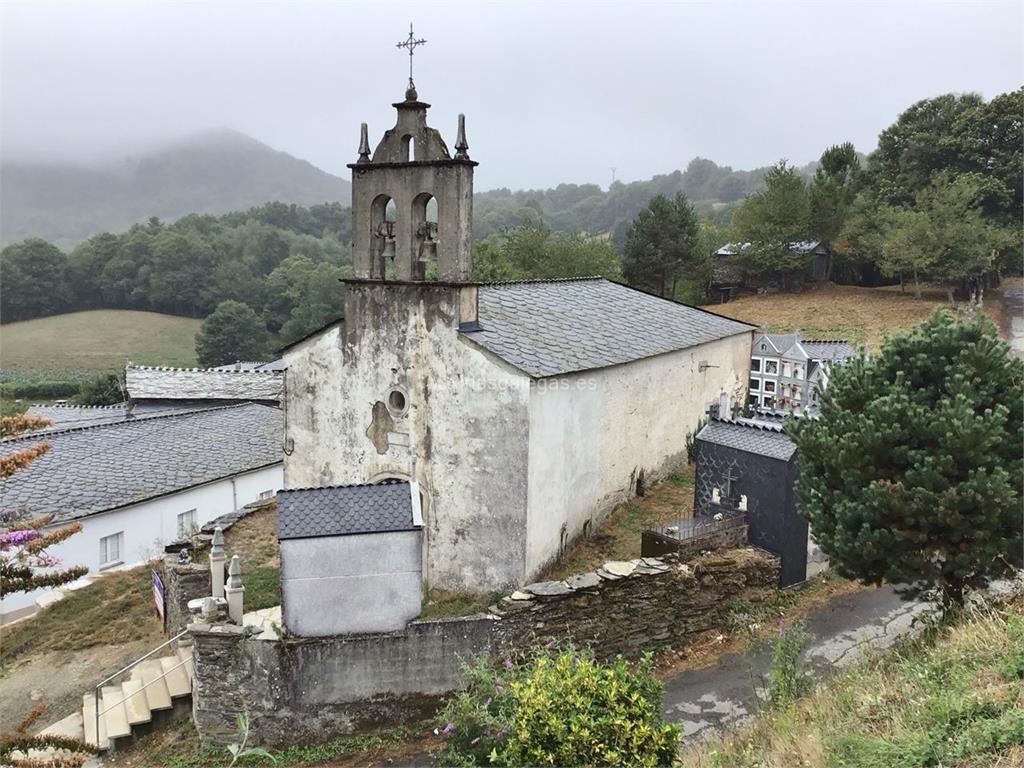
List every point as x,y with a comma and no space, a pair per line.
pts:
552,92
210,172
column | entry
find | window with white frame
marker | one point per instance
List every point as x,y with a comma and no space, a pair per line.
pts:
798,371
266,495
755,384
769,402
769,386
753,400
772,367
755,364
797,395
787,370
187,523
110,549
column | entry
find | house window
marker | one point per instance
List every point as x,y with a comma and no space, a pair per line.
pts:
772,367
110,549
753,400
797,396
763,347
769,403
798,371
186,523
755,384
264,495
755,364
787,370
769,386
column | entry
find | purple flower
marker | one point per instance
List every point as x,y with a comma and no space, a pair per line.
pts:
498,688
18,538
508,664
448,728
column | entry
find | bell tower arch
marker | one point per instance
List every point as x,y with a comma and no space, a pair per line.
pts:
412,167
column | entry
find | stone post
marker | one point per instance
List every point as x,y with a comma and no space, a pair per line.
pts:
217,558
233,591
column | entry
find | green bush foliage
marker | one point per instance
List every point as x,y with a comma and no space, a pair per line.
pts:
559,708
787,679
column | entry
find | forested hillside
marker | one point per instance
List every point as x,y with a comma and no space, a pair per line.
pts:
210,173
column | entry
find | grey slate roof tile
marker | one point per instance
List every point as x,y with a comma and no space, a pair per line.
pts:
554,327
341,510
829,350
763,441
91,469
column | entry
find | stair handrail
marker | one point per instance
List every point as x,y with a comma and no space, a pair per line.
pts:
101,683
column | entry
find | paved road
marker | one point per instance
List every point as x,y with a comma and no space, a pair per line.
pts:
725,695
1012,298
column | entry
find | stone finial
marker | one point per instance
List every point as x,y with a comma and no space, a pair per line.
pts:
209,610
364,144
461,145
234,591
217,558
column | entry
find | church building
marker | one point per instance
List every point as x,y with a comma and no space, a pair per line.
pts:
523,411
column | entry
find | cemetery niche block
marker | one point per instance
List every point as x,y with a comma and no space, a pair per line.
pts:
351,558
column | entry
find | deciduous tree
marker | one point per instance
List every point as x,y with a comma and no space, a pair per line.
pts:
233,332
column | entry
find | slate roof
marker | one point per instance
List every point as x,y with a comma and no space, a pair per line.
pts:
553,327
342,510
831,350
149,383
251,365
66,417
797,246
763,441
92,469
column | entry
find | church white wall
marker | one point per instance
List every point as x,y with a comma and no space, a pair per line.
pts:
465,424
334,585
148,526
592,433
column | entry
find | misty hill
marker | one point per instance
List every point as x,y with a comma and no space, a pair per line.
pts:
214,172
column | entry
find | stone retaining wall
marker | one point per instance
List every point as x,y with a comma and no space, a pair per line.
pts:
632,606
182,582
298,690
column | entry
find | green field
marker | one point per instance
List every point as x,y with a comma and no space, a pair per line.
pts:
99,340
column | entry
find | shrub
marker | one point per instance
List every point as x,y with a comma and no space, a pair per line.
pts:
559,708
787,680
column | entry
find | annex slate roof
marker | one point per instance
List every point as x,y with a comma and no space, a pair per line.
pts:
66,417
341,510
830,350
760,440
91,469
149,383
797,246
554,327
251,365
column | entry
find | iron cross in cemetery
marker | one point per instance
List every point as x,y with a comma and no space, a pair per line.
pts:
412,44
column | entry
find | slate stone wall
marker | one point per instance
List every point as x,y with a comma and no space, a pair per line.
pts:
629,607
181,584
654,545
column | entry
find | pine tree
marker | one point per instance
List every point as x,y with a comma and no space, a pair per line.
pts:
913,472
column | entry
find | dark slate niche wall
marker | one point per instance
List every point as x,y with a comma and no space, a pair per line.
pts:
772,520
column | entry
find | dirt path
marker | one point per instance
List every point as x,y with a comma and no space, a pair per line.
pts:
58,679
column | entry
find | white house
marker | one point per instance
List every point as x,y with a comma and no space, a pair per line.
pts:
787,371
136,483
525,411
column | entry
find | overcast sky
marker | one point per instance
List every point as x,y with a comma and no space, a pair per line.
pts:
551,91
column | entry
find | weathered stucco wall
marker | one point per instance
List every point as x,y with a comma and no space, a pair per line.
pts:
464,420
592,434
346,584
309,690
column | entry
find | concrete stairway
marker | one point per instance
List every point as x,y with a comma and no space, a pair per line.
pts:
156,689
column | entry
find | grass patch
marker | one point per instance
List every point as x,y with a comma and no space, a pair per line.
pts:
445,605
841,311
98,340
953,697
117,608
618,538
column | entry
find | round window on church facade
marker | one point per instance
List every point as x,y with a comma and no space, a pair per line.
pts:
398,404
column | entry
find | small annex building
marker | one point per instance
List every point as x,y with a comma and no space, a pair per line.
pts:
136,482
524,411
160,387
753,465
351,558
729,278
